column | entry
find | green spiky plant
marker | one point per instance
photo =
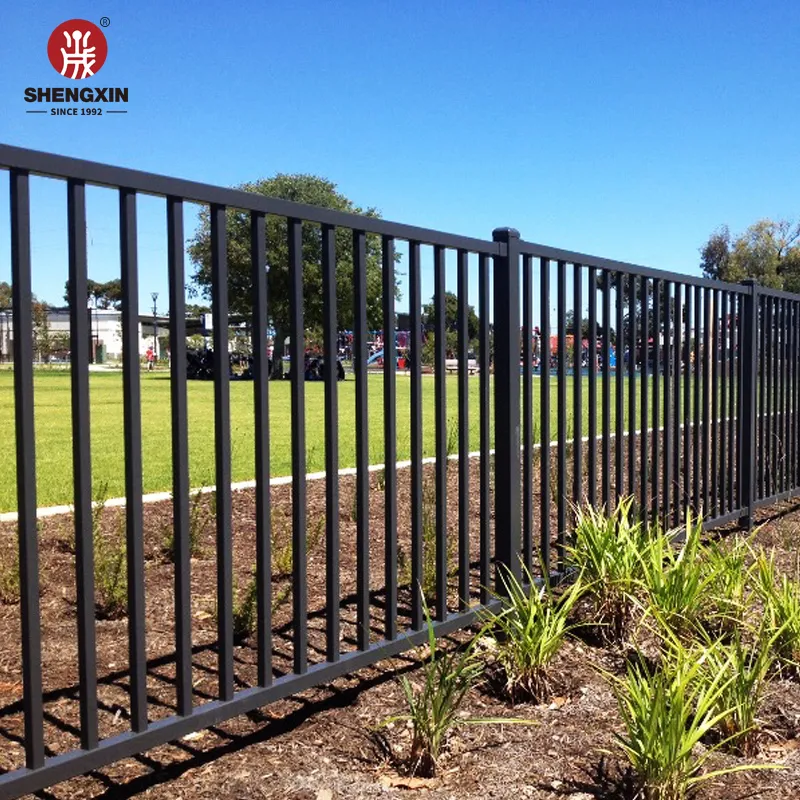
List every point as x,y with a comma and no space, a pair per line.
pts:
245,606
607,550
666,713
729,586
282,546
780,597
428,547
744,669
110,572
433,708
527,632
9,576
674,584
199,518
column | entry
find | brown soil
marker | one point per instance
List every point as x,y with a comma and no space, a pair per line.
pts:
321,743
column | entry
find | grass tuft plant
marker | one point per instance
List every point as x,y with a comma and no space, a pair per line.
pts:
728,584
447,676
675,585
527,633
433,709
607,553
666,714
780,597
428,547
245,610
245,607
199,518
282,551
9,576
110,573
744,671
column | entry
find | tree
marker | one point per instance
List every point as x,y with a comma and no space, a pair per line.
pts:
312,190
104,295
42,339
768,251
570,324
451,316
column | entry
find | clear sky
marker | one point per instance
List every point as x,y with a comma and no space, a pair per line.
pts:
624,129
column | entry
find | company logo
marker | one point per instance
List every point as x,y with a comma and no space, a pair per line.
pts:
77,49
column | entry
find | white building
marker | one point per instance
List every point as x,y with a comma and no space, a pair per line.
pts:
105,332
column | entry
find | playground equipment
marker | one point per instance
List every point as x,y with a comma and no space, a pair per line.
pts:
402,359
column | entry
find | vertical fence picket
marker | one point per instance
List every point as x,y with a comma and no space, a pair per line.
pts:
415,301
133,458
606,390
507,406
390,439
463,432
748,307
298,406
527,411
644,466
544,413
180,457
708,347
561,411
656,392
81,462
591,452
261,376
577,388
440,415
678,505
724,409
689,378
619,380
631,358
362,438
768,412
222,449
669,375
697,377
330,331
26,469
782,399
483,391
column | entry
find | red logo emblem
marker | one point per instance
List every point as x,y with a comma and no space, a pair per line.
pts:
77,49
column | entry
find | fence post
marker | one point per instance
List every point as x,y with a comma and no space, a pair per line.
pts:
507,474
749,357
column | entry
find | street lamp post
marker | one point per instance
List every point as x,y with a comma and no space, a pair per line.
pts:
154,295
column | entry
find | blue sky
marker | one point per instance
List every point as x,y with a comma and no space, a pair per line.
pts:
627,129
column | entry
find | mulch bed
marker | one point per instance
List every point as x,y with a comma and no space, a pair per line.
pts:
322,743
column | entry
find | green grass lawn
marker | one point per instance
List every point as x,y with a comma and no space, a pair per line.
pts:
54,431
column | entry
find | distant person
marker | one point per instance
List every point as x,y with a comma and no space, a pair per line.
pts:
151,358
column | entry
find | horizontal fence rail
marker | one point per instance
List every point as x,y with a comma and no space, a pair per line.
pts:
596,380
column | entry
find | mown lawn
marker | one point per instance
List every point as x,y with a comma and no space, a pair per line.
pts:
54,430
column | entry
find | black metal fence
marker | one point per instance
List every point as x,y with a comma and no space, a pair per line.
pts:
698,411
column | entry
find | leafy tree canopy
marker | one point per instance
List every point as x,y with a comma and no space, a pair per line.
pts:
451,316
312,190
768,251
104,295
